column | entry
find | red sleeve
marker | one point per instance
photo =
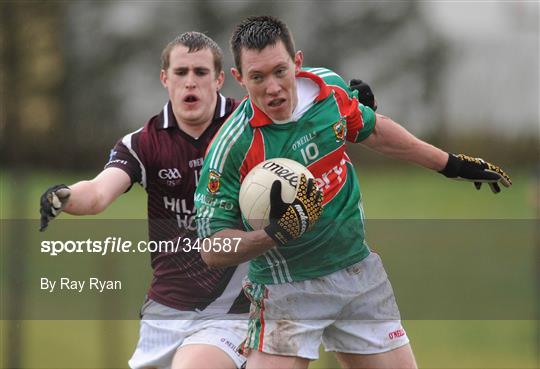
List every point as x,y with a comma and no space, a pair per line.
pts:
348,108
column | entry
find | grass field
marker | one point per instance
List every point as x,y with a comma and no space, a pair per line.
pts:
451,328
404,193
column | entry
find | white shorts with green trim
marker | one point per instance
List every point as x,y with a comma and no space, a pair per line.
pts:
352,311
164,330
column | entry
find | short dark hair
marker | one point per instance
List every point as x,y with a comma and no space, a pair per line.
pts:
258,32
194,41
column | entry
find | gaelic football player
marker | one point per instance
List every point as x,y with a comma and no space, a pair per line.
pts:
165,157
323,284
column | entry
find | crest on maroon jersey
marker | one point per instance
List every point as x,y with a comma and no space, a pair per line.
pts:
213,182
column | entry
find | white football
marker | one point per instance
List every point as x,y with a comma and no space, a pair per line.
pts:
254,196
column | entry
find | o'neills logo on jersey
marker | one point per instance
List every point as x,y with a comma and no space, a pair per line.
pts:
282,172
213,181
396,334
339,129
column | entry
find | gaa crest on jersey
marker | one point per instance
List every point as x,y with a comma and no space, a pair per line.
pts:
340,129
170,176
213,181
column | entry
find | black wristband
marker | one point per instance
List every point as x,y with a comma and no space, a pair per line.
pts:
276,234
451,170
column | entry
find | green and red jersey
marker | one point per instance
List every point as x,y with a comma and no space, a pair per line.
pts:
317,140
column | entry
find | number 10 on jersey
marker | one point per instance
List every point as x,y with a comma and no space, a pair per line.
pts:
309,153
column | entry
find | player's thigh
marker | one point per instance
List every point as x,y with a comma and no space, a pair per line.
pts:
261,360
399,358
289,319
370,323
199,356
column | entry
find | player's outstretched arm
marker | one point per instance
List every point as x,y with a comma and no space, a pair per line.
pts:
392,139
84,197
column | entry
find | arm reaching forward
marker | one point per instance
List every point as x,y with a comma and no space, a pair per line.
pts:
391,139
84,197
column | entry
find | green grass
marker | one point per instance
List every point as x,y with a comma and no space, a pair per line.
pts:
405,193
412,193
396,196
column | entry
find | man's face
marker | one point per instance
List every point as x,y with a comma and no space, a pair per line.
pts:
192,83
269,77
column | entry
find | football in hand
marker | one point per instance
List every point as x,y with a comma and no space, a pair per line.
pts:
254,196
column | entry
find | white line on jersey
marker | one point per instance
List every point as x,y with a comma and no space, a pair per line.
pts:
225,137
127,142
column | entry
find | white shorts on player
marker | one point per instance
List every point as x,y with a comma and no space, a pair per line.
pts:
350,311
164,330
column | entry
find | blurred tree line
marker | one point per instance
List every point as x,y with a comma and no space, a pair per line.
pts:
76,76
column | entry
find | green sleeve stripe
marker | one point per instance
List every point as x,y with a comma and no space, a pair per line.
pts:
204,213
322,72
230,134
329,74
318,71
225,154
315,70
207,225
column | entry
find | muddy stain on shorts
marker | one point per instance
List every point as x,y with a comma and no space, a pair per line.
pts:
279,338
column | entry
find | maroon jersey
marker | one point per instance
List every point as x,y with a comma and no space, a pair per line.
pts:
166,162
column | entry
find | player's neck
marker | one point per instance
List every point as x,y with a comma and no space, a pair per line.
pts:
306,93
194,130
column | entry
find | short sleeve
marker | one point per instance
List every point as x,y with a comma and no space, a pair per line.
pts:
360,119
368,117
216,196
122,158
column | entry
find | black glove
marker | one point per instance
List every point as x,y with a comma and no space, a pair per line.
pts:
476,170
290,221
52,202
365,95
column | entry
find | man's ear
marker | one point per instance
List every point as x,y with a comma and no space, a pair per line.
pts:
163,78
220,79
298,60
236,74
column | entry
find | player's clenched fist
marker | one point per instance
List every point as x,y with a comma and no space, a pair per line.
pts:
289,221
52,202
476,170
